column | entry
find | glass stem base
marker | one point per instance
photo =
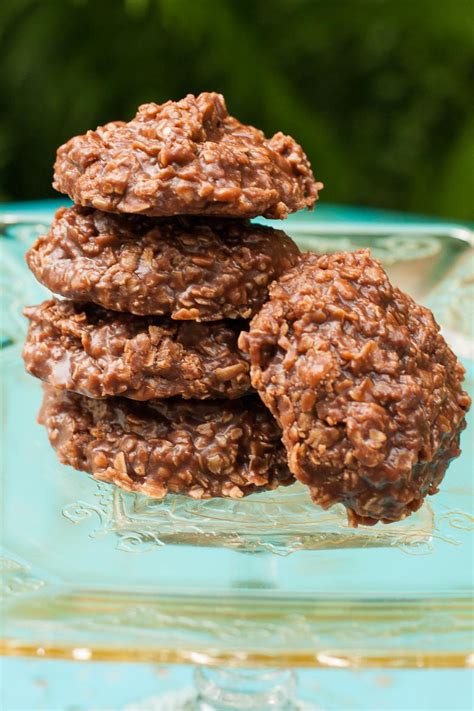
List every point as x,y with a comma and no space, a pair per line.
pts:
219,689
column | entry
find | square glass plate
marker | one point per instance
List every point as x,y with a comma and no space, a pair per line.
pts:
92,572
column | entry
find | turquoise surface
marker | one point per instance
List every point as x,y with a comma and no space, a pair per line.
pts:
36,684
33,685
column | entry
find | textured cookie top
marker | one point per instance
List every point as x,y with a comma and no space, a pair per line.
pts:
200,269
186,157
365,388
99,353
201,449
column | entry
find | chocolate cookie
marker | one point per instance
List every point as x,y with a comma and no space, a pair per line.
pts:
188,268
186,157
366,390
183,447
99,353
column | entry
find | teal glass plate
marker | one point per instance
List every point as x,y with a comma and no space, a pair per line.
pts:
90,572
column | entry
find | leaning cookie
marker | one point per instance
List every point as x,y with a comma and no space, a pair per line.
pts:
366,390
188,268
99,353
186,157
202,449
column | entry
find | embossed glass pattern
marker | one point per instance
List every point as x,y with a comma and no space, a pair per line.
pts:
90,571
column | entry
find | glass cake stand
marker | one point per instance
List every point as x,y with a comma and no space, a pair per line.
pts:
245,590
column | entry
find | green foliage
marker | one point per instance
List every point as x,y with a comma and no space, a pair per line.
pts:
379,93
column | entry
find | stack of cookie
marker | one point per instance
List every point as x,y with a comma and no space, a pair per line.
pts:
149,357
160,270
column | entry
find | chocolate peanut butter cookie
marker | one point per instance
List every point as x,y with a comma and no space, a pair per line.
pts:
366,390
186,157
201,449
99,353
189,268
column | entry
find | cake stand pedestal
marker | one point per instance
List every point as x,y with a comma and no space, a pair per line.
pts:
227,689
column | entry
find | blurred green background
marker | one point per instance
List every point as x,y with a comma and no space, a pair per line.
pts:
379,93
